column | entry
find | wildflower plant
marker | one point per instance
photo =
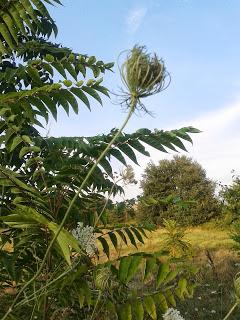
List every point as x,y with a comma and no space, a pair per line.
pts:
172,314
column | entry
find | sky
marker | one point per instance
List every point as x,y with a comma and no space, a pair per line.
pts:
199,42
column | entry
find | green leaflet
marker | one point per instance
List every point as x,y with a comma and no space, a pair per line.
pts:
91,60
104,245
41,7
118,155
61,100
26,150
122,235
58,66
15,181
113,239
138,310
23,14
182,286
16,141
150,266
161,301
128,151
17,19
29,10
80,94
92,93
65,241
177,142
183,134
162,273
150,307
40,106
123,268
153,142
3,49
10,24
48,68
67,83
34,75
27,139
6,35
139,147
6,183
68,66
50,104
124,312
135,263
170,297
172,275
131,236
191,130
71,99
81,68
137,234
106,166
101,89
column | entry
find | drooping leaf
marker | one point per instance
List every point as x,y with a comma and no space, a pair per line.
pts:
162,273
138,310
150,307
135,263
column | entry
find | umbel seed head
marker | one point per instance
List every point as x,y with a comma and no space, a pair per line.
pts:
143,74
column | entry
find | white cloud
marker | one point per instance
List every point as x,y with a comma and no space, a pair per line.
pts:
217,148
135,18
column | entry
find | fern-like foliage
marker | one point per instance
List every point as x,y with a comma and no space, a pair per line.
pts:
21,19
40,175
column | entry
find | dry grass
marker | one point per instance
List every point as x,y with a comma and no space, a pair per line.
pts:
201,238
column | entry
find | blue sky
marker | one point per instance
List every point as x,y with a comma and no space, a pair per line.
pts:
199,42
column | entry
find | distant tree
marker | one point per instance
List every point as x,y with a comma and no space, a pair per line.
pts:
231,198
177,189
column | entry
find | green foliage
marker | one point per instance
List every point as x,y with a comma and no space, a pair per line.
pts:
177,189
170,286
231,198
175,242
39,177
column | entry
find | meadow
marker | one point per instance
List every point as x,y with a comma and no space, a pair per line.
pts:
217,263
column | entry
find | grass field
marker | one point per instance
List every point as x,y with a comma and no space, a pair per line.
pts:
206,237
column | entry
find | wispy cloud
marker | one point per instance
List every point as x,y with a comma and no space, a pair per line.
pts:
135,18
216,148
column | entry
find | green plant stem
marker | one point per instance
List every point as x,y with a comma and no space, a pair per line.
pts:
231,311
90,172
106,203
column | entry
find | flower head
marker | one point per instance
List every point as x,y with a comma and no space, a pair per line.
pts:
86,238
172,314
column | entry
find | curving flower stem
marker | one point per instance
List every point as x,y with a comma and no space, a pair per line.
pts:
231,311
133,104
